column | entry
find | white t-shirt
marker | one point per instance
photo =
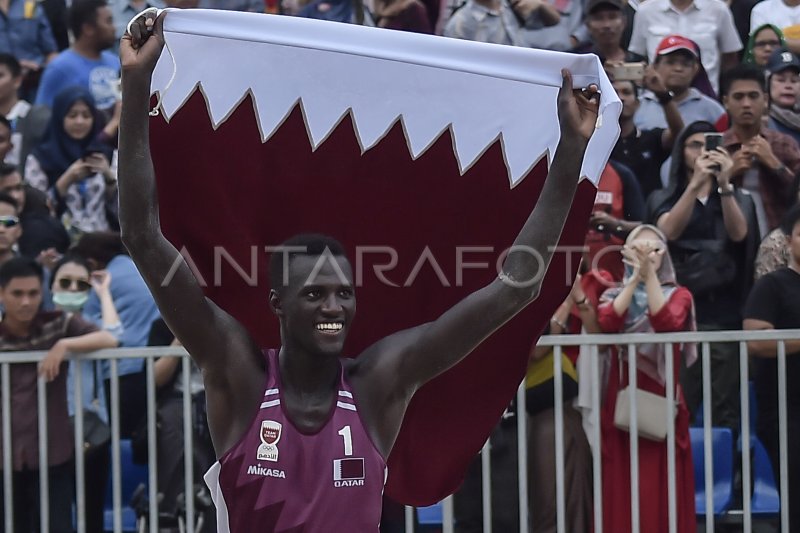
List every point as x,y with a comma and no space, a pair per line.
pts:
774,12
20,110
709,23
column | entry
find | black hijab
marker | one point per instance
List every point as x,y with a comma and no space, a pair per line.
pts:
57,150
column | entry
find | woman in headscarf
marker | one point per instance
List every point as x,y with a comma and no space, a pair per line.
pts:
649,301
763,41
73,166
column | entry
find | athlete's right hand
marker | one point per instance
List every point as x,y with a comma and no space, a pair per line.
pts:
140,49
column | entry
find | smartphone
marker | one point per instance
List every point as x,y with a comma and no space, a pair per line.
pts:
92,149
627,72
713,141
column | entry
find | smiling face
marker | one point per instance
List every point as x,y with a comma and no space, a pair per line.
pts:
79,120
317,305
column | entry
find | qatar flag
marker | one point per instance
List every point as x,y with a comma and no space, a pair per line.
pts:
423,155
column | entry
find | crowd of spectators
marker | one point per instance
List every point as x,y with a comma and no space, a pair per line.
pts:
698,201
708,157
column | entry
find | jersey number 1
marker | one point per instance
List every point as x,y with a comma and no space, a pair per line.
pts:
348,440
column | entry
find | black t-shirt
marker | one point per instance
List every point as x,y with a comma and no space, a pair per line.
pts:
643,153
774,299
723,306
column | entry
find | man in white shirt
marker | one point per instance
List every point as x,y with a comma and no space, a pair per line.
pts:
784,14
709,23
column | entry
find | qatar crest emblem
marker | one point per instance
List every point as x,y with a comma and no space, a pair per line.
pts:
270,435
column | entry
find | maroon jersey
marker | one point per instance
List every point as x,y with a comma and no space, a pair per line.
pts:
282,480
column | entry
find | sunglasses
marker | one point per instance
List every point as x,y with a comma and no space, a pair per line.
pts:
8,221
66,284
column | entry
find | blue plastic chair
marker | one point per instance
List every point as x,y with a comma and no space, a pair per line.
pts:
766,499
431,515
722,452
133,475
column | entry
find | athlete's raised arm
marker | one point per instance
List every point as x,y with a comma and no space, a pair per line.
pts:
396,366
232,364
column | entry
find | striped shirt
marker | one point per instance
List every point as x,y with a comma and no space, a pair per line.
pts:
46,330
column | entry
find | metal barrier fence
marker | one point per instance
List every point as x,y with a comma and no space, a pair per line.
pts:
557,342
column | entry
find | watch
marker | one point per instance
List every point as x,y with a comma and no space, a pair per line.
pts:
665,98
727,191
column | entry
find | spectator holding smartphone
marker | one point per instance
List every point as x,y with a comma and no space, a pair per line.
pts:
712,232
73,166
765,162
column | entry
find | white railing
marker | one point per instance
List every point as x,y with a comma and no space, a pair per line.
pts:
557,342
703,339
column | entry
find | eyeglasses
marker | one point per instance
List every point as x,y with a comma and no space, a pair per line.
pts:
66,284
695,145
9,221
764,44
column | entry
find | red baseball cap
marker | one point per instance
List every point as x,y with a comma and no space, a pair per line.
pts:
673,43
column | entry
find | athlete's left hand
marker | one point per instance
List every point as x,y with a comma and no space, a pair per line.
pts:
577,110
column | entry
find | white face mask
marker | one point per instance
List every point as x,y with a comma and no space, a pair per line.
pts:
70,301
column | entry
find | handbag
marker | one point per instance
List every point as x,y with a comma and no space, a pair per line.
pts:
96,432
705,265
651,412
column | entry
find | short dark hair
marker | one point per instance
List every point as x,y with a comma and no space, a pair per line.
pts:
6,198
83,12
19,267
6,169
315,244
790,219
743,72
70,257
633,86
101,246
12,63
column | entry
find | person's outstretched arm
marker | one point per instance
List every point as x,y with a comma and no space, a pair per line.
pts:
396,366
232,364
